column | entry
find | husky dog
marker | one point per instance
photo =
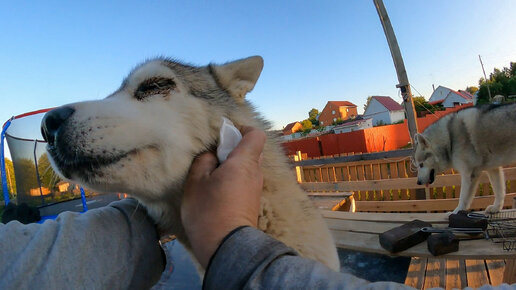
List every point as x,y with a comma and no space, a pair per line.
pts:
470,140
142,139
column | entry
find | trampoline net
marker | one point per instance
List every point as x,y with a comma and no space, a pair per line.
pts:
36,183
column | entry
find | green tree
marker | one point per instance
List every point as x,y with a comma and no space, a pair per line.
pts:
11,182
307,125
472,90
48,177
500,82
367,102
312,116
421,105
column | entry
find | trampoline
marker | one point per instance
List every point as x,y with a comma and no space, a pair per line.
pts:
30,179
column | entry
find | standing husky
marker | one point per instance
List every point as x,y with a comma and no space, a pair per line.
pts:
142,139
470,140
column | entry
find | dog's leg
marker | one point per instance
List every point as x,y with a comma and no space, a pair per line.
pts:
468,187
497,180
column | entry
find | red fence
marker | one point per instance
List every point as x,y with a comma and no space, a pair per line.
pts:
383,138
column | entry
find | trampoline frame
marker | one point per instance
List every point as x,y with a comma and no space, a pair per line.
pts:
5,188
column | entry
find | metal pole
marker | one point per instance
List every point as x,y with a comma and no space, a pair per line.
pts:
485,77
404,84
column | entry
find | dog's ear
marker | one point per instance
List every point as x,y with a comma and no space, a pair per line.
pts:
239,77
420,139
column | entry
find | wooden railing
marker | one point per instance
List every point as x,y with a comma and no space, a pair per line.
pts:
375,182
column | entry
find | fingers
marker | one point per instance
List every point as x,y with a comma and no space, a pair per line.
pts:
251,145
202,166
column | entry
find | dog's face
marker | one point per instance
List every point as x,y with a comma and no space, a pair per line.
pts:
425,159
143,137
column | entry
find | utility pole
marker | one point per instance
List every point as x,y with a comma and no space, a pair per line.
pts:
403,85
485,77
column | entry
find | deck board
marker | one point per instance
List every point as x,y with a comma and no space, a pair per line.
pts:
416,272
495,270
476,273
435,273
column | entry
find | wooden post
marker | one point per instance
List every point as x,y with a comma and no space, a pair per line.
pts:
404,84
299,169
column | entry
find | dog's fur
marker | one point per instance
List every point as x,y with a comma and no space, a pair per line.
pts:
143,138
470,140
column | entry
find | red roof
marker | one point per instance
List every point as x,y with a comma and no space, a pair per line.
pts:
465,94
436,102
388,103
342,103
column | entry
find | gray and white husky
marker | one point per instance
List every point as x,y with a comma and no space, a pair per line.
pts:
470,140
142,139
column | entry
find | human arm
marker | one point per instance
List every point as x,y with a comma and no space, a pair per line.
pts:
114,247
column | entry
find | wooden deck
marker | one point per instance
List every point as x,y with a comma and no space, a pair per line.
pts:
477,263
426,273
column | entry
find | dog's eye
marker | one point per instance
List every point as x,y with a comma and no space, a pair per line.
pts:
421,165
154,86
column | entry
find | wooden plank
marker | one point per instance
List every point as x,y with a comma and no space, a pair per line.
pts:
324,175
338,174
353,176
360,226
495,269
386,217
435,273
397,183
427,205
416,272
509,275
358,157
476,273
469,249
455,274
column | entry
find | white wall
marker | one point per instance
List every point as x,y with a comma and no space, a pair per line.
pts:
360,126
454,98
377,112
397,116
439,94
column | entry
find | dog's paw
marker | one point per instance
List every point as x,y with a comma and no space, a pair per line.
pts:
493,209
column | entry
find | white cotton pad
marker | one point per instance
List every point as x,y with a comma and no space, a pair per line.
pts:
230,136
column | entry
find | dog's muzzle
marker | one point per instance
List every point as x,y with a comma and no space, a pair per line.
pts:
53,121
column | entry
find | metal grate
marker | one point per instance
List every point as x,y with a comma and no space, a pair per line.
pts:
502,229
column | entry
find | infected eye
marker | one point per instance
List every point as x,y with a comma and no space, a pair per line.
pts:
154,86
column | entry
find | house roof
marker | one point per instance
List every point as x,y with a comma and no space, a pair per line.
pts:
436,102
465,94
290,126
388,103
349,124
342,103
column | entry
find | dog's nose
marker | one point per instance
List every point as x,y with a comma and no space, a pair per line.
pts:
52,121
419,182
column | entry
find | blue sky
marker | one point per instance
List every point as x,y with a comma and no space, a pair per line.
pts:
52,53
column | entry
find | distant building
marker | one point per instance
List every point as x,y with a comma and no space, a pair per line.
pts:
335,110
450,98
37,192
353,126
384,110
292,128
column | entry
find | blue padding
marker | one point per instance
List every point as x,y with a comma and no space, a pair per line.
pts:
2,162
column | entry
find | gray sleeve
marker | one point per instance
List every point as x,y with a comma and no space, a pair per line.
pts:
114,247
250,259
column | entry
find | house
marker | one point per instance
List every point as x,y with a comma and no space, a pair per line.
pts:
292,128
335,110
353,126
384,110
450,98
37,192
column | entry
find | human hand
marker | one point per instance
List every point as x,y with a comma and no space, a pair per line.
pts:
219,199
